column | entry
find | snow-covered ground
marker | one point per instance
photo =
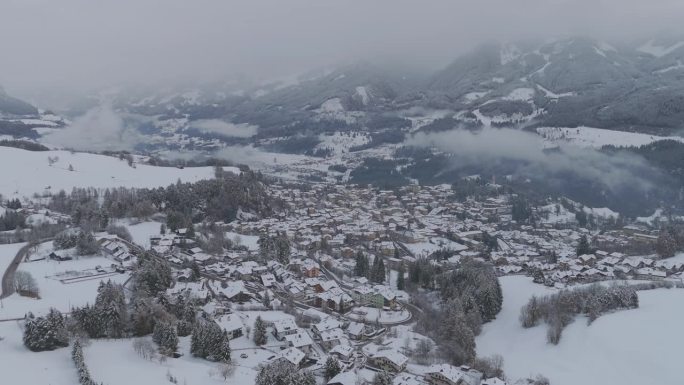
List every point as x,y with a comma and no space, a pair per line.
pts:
100,355
27,367
141,231
599,137
53,293
249,241
374,314
31,172
640,346
426,248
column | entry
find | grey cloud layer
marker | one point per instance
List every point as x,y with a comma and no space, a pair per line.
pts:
83,43
492,145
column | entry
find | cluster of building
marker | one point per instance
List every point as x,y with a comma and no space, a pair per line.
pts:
328,226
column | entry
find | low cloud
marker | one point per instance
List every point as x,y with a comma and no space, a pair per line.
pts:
224,128
99,129
492,146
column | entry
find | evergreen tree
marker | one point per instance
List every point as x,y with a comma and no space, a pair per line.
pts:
458,340
45,333
553,257
581,218
142,317
277,248
166,337
583,246
378,270
382,378
332,368
520,209
111,310
400,277
361,269
666,245
152,276
208,341
282,372
260,337
83,374
267,300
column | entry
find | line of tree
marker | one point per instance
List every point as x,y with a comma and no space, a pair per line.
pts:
12,220
217,199
84,377
209,341
470,296
275,247
670,241
560,309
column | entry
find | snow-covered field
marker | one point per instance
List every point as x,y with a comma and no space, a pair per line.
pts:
249,241
53,293
634,347
599,137
28,368
374,314
425,248
100,355
142,231
31,173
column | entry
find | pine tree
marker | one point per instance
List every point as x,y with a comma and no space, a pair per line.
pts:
382,378
458,339
142,317
267,300
260,337
400,277
666,245
378,270
111,310
282,372
166,337
332,368
583,246
208,341
361,268
45,333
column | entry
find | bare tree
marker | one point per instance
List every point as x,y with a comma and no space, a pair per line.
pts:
24,283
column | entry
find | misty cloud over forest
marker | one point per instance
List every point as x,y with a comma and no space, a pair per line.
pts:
492,145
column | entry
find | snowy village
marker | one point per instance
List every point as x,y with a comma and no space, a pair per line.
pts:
310,283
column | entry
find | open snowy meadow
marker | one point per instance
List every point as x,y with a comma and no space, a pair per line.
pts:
34,173
626,347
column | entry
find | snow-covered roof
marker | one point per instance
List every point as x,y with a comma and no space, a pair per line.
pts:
293,355
456,375
393,356
344,378
299,339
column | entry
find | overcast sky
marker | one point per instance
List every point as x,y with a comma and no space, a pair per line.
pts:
90,43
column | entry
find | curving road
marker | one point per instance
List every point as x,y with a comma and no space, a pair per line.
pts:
8,276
